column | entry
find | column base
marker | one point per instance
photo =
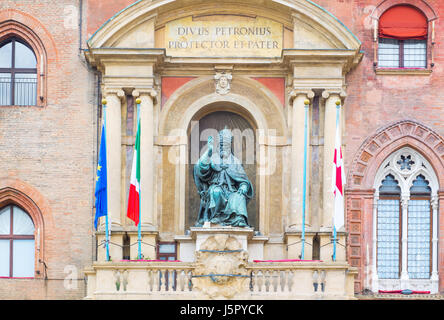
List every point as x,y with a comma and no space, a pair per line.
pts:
327,245
115,246
241,234
148,245
294,245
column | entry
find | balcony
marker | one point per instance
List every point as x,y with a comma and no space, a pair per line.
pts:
255,281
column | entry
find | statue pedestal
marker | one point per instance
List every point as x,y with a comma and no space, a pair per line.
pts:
191,243
241,234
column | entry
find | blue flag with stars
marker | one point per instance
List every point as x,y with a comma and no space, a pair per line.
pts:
101,192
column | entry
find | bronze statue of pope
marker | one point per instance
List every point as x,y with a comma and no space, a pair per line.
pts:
223,185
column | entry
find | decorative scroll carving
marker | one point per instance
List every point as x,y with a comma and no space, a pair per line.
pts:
221,268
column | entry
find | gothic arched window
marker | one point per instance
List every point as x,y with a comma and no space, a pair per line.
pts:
18,73
405,224
17,248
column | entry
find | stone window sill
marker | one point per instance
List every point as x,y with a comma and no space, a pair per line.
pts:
403,71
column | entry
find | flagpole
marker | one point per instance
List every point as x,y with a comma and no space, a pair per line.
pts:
139,229
338,105
106,216
306,103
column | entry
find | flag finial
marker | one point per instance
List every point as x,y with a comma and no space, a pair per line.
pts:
338,103
138,101
104,102
306,102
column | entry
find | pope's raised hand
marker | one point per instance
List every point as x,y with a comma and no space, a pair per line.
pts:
210,145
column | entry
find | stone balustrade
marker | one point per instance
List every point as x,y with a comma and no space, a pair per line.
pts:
174,280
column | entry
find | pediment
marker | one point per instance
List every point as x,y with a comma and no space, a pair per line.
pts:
291,24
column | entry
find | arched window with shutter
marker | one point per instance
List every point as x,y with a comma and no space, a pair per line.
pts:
402,32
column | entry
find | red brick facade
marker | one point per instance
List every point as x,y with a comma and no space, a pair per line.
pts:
48,152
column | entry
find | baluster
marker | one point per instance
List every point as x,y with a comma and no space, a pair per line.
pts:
267,281
261,283
322,278
190,280
173,275
169,280
149,280
283,281
290,280
257,281
275,280
156,280
164,280
181,280
315,281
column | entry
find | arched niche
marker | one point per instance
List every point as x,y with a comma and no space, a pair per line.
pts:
247,96
208,122
197,98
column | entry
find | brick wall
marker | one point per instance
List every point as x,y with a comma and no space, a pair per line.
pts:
48,152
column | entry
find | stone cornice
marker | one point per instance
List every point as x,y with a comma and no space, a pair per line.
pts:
347,58
98,57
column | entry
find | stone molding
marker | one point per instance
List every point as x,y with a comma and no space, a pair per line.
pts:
388,139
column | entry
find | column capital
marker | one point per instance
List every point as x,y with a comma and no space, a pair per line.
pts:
434,202
151,92
405,199
107,91
331,92
308,93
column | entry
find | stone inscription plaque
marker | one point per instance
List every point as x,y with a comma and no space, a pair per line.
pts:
253,38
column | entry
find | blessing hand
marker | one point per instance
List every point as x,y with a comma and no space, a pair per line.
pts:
210,145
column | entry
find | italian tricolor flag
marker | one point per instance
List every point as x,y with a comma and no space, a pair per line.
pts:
133,200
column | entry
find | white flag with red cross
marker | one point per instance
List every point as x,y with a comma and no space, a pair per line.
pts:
338,181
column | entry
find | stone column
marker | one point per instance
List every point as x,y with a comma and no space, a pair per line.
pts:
297,159
113,153
434,277
294,229
404,272
331,97
112,97
147,160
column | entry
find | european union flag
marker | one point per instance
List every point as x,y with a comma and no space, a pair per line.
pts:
101,192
